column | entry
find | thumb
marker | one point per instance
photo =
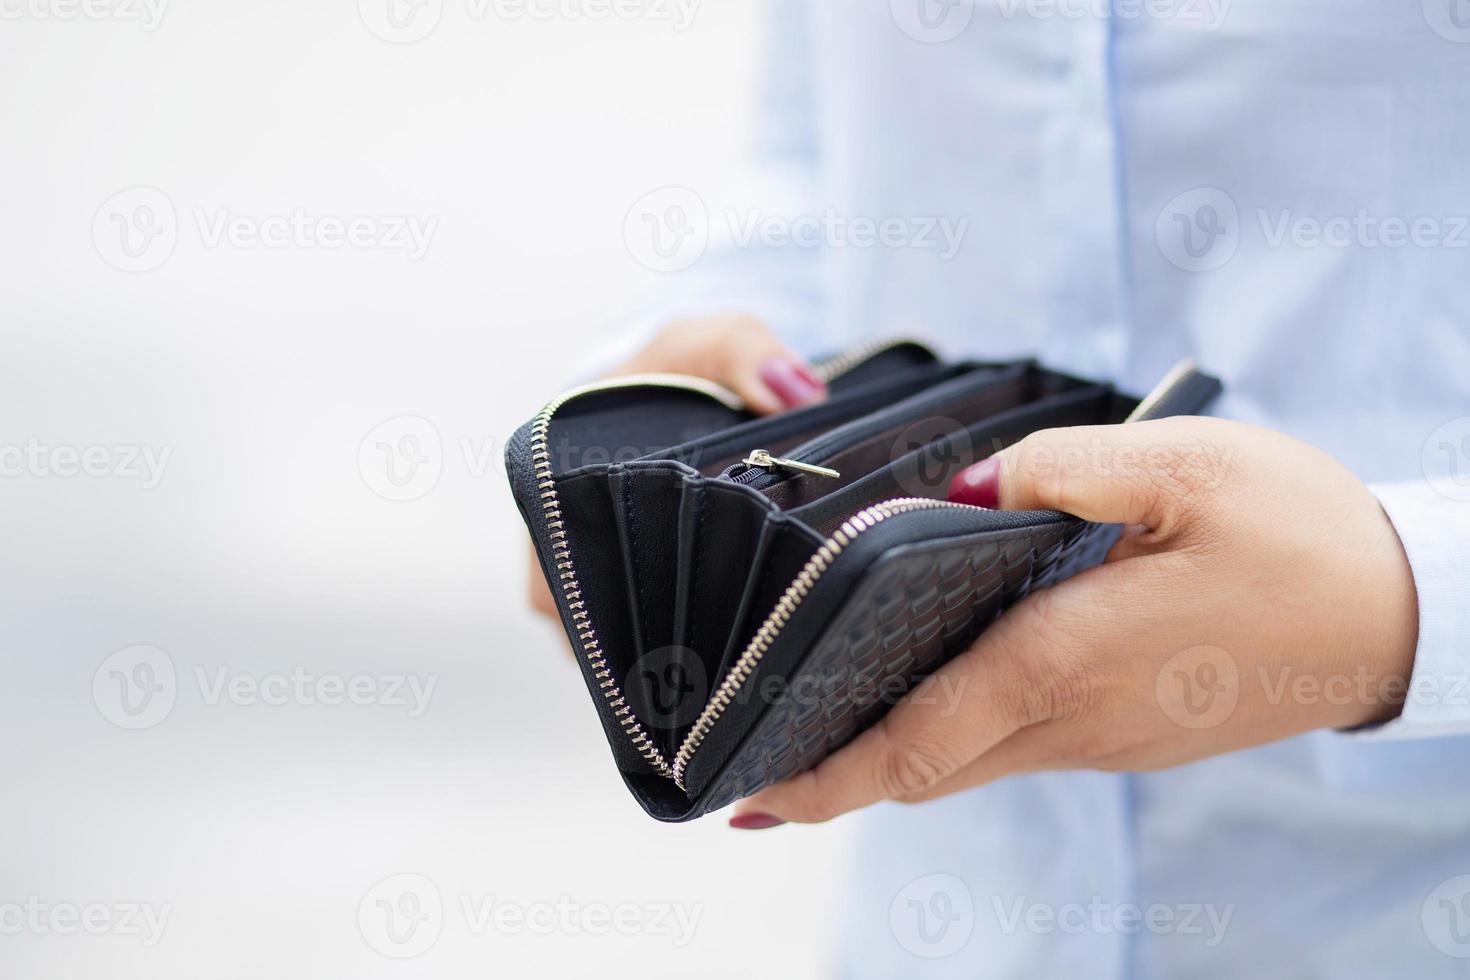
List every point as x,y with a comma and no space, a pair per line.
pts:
1137,473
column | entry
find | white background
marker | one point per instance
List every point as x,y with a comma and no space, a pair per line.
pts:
263,548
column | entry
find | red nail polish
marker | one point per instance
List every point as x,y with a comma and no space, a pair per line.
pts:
793,382
978,484
755,821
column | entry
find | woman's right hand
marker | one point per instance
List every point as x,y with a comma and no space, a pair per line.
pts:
734,350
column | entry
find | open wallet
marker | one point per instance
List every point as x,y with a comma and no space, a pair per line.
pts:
746,594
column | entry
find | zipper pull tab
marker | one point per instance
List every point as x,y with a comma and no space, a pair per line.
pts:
763,459
1178,375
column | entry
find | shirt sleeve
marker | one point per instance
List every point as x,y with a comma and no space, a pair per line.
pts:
1433,522
743,271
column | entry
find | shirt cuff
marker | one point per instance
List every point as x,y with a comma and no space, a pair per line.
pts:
1433,522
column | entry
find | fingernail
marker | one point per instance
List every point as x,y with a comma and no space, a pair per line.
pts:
792,381
978,485
755,821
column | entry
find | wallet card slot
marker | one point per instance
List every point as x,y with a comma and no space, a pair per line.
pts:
691,512
926,471
728,552
645,500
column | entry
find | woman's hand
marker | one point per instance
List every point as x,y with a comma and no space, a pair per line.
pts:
734,350
1258,591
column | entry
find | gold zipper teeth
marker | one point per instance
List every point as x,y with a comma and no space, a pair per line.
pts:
839,364
571,590
786,607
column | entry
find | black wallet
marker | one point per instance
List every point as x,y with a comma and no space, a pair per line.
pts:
744,594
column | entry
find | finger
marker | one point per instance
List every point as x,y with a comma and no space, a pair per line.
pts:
1140,473
770,376
538,590
1031,749
955,715
739,352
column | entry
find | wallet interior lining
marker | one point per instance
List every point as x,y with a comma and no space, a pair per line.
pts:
926,471
928,423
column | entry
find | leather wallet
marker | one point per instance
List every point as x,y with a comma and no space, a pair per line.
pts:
745,594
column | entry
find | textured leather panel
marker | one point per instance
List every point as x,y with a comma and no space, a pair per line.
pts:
913,611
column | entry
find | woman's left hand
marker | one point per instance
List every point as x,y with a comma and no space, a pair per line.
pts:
1258,591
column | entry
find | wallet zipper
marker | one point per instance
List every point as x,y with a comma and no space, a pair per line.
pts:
761,463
